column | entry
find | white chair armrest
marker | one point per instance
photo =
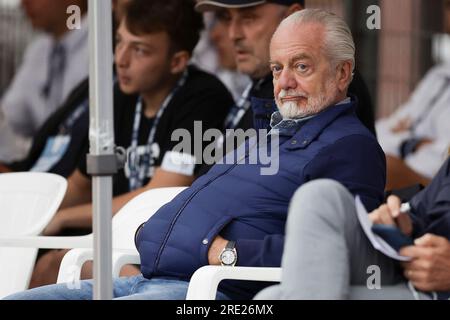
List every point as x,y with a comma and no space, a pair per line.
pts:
124,257
204,282
70,269
47,242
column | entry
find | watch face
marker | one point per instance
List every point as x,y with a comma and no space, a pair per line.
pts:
228,257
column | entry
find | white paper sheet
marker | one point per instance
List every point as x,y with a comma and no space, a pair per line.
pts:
377,242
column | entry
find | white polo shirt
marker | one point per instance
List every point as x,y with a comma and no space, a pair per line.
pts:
429,108
24,105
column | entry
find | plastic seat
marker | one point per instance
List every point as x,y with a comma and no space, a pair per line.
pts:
124,226
204,282
28,201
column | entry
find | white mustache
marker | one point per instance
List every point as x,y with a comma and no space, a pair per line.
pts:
291,93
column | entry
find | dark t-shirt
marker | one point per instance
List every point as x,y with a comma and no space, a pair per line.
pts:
78,133
202,98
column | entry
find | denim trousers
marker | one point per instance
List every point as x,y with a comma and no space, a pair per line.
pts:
126,288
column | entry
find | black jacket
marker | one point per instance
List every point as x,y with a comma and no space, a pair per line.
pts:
79,135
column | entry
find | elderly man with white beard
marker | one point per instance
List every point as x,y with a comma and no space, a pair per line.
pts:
234,215
309,75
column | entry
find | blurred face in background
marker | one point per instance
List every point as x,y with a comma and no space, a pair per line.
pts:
250,30
49,15
223,44
142,61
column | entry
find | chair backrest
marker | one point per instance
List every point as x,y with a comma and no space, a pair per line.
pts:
28,201
137,211
124,225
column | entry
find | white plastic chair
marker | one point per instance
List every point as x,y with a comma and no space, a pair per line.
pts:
124,226
28,201
204,281
203,284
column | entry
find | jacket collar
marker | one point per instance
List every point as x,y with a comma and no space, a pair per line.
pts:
287,126
312,128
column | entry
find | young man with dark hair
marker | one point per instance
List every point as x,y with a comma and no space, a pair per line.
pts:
158,94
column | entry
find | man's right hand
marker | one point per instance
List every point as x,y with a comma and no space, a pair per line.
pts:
429,269
390,214
216,248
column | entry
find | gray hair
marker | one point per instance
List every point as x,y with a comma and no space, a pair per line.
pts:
338,43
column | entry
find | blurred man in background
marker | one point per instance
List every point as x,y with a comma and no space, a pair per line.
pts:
416,136
54,64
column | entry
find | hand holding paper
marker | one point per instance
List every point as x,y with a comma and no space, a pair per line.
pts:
377,241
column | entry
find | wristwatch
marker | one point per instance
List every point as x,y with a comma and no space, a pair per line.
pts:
228,256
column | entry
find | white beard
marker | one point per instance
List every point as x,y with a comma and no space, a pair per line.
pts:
314,104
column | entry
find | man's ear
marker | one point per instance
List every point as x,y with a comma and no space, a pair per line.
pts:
344,75
293,8
179,61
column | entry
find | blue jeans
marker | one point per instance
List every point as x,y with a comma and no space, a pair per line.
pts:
129,288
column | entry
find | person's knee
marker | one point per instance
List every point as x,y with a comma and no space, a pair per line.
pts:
318,188
316,198
316,191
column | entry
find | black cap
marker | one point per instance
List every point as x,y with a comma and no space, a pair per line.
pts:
206,5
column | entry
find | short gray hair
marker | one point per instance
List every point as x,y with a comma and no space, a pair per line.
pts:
338,43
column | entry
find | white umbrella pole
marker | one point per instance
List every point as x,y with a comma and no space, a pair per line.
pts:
102,160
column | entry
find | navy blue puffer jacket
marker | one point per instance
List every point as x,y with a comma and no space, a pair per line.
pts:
240,204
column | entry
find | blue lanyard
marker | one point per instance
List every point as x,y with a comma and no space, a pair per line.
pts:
239,109
138,172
